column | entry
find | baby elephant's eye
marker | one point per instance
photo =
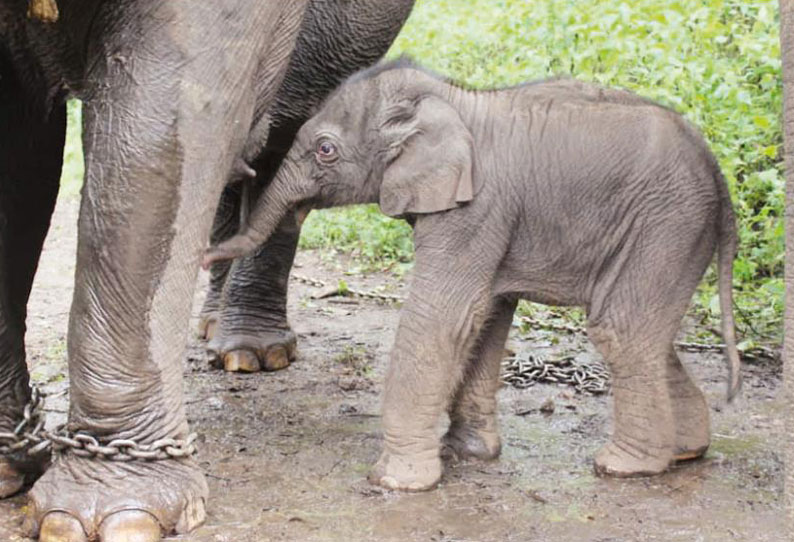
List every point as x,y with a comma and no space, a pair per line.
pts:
326,150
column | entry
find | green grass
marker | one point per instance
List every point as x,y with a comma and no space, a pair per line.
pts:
715,61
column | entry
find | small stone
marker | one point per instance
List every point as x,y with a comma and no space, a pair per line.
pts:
214,403
351,383
328,291
548,406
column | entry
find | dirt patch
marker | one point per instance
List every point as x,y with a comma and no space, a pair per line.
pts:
286,453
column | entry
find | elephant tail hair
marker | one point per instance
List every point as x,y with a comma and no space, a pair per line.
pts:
726,253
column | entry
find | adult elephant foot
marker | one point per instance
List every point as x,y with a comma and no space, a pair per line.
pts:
15,474
11,478
623,461
415,472
268,350
81,499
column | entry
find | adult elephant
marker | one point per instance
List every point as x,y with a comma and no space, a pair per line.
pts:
177,97
787,54
245,314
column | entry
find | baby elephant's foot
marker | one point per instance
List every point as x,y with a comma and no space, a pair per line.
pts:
464,441
620,461
407,472
692,431
689,446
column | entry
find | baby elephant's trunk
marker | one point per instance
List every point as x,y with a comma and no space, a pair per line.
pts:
278,199
234,247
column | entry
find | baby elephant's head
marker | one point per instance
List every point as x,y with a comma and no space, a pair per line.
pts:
389,135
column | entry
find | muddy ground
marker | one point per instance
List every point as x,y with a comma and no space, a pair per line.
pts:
286,453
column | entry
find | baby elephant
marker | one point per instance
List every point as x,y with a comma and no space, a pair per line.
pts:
558,192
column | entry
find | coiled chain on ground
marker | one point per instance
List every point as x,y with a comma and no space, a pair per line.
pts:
29,438
525,370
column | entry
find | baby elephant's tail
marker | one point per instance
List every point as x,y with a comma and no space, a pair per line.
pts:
726,252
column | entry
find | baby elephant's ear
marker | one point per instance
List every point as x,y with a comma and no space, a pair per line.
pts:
432,170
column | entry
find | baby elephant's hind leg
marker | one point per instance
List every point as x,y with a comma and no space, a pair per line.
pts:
658,411
643,436
690,411
473,430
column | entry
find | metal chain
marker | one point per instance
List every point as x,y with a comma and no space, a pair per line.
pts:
30,438
26,439
524,370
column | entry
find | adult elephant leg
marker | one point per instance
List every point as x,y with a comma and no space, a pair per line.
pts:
255,333
336,40
787,57
473,430
226,224
170,112
30,168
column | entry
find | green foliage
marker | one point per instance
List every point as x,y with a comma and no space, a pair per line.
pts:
715,61
377,241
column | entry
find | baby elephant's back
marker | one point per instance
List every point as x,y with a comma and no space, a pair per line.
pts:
605,153
607,169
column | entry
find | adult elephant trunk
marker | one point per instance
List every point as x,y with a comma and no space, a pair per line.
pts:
282,196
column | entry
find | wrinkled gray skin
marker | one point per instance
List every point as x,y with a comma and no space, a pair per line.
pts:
176,98
558,192
245,315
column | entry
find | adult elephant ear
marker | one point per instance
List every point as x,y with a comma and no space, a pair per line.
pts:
43,10
430,159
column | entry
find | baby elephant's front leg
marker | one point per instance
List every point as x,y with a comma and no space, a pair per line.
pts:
473,430
426,366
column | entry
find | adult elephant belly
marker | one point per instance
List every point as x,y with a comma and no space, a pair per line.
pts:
244,317
170,92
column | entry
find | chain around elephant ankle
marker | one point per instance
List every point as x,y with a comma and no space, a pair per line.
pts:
27,438
30,438
84,445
